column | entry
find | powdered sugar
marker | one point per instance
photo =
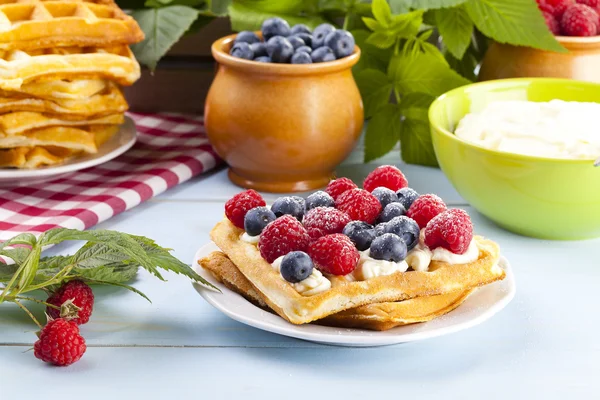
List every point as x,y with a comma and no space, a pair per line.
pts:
323,221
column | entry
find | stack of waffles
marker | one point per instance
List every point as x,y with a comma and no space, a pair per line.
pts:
372,258
61,67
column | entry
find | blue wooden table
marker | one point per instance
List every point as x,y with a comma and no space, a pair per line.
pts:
545,344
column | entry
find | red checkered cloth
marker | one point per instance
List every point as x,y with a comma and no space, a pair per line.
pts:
171,148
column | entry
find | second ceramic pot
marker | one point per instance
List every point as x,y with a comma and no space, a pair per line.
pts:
282,127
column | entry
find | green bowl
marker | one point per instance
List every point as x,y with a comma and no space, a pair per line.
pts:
534,196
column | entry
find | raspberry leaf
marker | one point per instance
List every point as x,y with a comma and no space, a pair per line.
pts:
383,132
427,4
456,29
375,89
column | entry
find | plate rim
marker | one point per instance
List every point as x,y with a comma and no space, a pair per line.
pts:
342,336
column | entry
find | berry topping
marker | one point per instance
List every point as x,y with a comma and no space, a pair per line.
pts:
385,196
257,219
322,54
390,211
552,23
80,294
361,234
341,42
246,37
452,230
554,7
289,205
296,41
60,343
301,58
406,228
579,20
380,229
595,4
279,49
281,236
360,205
299,28
320,33
388,247
237,207
319,199
274,27
387,176
323,221
407,196
425,208
296,266
242,50
334,254
339,186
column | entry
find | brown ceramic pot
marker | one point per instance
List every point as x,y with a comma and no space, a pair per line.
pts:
582,62
282,127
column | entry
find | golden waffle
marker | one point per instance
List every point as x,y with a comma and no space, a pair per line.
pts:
111,101
345,294
18,122
377,316
19,67
35,24
33,157
78,89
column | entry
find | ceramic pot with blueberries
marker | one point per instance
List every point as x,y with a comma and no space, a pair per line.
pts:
284,110
576,27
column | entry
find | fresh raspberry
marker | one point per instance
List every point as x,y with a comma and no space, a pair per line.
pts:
323,221
595,4
334,254
60,343
81,295
555,7
424,208
552,23
237,207
451,230
360,205
281,236
339,186
579,20
385,176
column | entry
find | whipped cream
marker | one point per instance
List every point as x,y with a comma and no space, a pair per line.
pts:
369,267
419,257
315,283
442,254
555,129
249,239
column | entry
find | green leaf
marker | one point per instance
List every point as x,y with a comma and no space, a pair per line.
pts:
432,50
407,25
93,255
415,143
400,6
23,238
248,16
382,12
372,24
517,22
219,7
423,73
375,89
383,132
382,39
118,284
114,274
371,56
465,66
456,29
18,254
163,27
431,4
416,105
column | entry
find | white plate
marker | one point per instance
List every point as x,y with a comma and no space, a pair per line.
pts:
114,147
478,307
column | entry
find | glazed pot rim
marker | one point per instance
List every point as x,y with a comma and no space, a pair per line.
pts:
220,51
440,130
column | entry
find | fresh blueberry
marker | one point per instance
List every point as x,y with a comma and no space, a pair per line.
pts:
279,49
296,41
407,196
380,229
242,50
292,205
341,42
299,28
274,27
303,49
301,58
319,199
256,220
259,49
296,266
322,54
391,211
306,38
388,247
320,33
246,37
385,196
406,228
361,234
264,59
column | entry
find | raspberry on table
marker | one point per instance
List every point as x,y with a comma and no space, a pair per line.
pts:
555,7
323,221
424,208
237,207
580,20
60,343
336,187
81,295
360,205
552,23
385,176
452,230
282,236
334,254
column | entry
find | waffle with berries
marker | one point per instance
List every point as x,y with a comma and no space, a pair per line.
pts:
326,265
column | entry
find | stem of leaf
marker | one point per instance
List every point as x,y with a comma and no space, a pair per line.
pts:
38,301
29,313
54,280
397,96
397,47
346,22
